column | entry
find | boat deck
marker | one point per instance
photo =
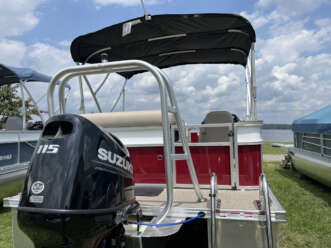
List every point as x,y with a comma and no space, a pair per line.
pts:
231,203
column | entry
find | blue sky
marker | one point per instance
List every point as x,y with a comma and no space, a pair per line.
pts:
293,53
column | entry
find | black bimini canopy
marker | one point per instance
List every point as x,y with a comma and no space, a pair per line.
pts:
170,40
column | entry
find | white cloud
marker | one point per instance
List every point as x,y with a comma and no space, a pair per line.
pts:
125,3
47,58
9,48
291,40
18,16
264,3
65,43
293,7
293,59
41,57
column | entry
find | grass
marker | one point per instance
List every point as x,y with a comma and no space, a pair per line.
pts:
10,189
308,206
5,228
268,149
5,213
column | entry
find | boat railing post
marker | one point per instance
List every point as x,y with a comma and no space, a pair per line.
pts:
264,194
233,137
213,206
182,133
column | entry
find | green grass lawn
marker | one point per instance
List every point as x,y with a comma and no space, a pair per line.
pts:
5,214
268,149
308,206
5,228
10,189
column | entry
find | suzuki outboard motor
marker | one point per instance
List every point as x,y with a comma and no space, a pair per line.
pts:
79,187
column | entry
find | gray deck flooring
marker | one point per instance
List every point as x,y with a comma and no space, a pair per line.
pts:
186,198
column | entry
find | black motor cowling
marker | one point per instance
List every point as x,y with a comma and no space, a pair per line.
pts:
79,186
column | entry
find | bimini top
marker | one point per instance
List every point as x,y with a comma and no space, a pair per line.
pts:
317,122
12,75
170,40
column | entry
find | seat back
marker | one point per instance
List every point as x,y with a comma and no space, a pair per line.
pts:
14,123
216,134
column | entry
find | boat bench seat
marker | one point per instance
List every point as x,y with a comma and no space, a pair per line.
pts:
128,119
216,134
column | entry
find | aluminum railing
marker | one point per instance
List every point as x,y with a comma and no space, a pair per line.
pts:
213,206
165,92
314,143
265,205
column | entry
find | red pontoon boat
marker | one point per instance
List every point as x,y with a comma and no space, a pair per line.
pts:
210,174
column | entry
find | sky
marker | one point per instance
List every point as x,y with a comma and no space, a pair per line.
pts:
293,54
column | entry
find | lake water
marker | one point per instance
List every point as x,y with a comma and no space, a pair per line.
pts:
277,135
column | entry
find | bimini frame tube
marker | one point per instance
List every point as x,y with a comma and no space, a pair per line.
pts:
81,92
248,91
122,66
34,101
23,104
253,115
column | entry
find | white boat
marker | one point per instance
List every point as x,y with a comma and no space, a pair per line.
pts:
144,178
311,153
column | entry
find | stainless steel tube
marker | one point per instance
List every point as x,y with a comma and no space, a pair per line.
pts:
265,190
253,83
213,201
23,104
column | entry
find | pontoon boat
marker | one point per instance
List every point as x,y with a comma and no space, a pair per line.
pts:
145,178
311,154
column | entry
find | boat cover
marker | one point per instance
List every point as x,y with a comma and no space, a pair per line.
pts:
317,122
170,40
12,75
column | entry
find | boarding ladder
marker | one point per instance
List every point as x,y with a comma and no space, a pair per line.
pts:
166,95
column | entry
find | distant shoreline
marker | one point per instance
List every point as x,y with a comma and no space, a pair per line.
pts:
276,126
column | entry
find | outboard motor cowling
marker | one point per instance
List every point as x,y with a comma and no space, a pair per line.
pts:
78,188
